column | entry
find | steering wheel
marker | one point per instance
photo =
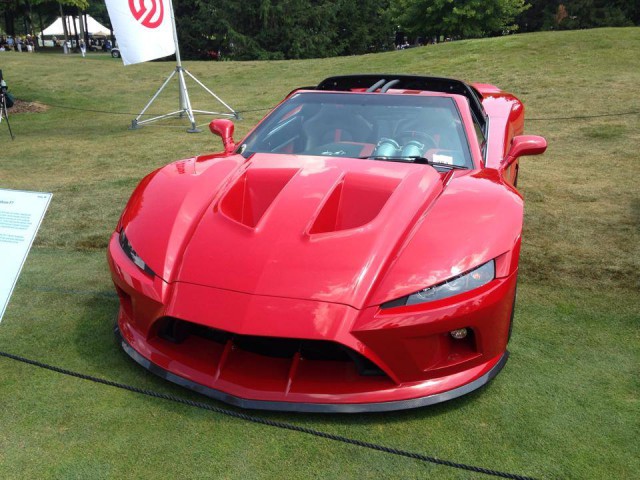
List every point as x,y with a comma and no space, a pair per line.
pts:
406,136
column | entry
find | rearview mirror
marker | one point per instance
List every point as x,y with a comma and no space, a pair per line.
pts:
522,145
224,129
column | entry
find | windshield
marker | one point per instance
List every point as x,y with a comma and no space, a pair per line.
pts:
376,126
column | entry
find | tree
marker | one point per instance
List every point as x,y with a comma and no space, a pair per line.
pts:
363,26
296,28
98,10
599,13
205,27
540,16
570,14
24,12
278,29
457,18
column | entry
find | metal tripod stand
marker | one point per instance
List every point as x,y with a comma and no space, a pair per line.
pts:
4,114
185,102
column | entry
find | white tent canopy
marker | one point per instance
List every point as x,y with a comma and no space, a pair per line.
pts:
94,27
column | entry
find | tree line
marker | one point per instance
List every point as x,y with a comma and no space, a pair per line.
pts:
287,29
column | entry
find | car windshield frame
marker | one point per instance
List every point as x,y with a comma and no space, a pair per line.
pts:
372,123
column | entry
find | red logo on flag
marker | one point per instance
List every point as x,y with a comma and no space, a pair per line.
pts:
149,17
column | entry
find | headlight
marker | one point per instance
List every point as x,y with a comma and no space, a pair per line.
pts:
462,283
133,256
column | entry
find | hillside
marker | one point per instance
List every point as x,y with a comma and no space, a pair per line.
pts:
566,405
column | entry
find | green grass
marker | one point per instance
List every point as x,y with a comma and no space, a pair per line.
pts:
566,405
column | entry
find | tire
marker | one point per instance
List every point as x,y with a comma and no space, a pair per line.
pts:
115,53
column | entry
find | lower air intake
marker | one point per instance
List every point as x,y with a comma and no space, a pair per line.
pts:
179,331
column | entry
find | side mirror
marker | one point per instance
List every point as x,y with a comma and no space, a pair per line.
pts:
224,129
522,145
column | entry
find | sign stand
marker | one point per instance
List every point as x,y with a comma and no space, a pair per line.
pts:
184,101
3,112
3,104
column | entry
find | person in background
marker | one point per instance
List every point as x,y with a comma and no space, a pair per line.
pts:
83,48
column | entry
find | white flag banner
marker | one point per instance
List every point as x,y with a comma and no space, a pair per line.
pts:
143,28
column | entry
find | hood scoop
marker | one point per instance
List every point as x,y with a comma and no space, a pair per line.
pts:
355,201
252,194
312,228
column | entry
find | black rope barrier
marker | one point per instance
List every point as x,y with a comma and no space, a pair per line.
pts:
583,117
534,119
111,112
270,423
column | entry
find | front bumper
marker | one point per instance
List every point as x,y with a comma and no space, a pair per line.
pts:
313,407
416,360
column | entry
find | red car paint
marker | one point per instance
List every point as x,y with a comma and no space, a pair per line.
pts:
249,252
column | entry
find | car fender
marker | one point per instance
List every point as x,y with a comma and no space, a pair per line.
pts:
167,204
476,219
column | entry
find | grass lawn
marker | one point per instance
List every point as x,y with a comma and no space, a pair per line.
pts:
565,406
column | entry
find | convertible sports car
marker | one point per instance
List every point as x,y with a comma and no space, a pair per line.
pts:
357,251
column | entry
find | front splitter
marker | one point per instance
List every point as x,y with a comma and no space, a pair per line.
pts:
312,407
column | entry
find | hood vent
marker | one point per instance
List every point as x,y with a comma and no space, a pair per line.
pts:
355,201
252,194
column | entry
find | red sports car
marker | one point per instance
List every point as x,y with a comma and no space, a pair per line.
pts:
357,251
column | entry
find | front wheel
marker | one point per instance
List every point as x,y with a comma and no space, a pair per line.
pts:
115,54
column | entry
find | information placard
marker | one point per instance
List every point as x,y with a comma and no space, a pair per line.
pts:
20,216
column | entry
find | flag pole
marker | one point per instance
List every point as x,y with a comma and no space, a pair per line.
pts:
183,93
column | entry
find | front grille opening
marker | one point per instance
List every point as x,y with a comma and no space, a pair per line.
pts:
177,331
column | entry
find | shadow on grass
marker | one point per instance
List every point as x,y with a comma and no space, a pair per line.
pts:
95,343
382,418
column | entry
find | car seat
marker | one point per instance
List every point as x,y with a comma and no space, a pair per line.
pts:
335,124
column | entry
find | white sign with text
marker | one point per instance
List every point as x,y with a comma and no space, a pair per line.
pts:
20,216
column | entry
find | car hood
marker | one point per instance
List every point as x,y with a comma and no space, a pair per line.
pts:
318,228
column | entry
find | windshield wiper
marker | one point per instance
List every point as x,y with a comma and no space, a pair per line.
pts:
412,159
396,159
